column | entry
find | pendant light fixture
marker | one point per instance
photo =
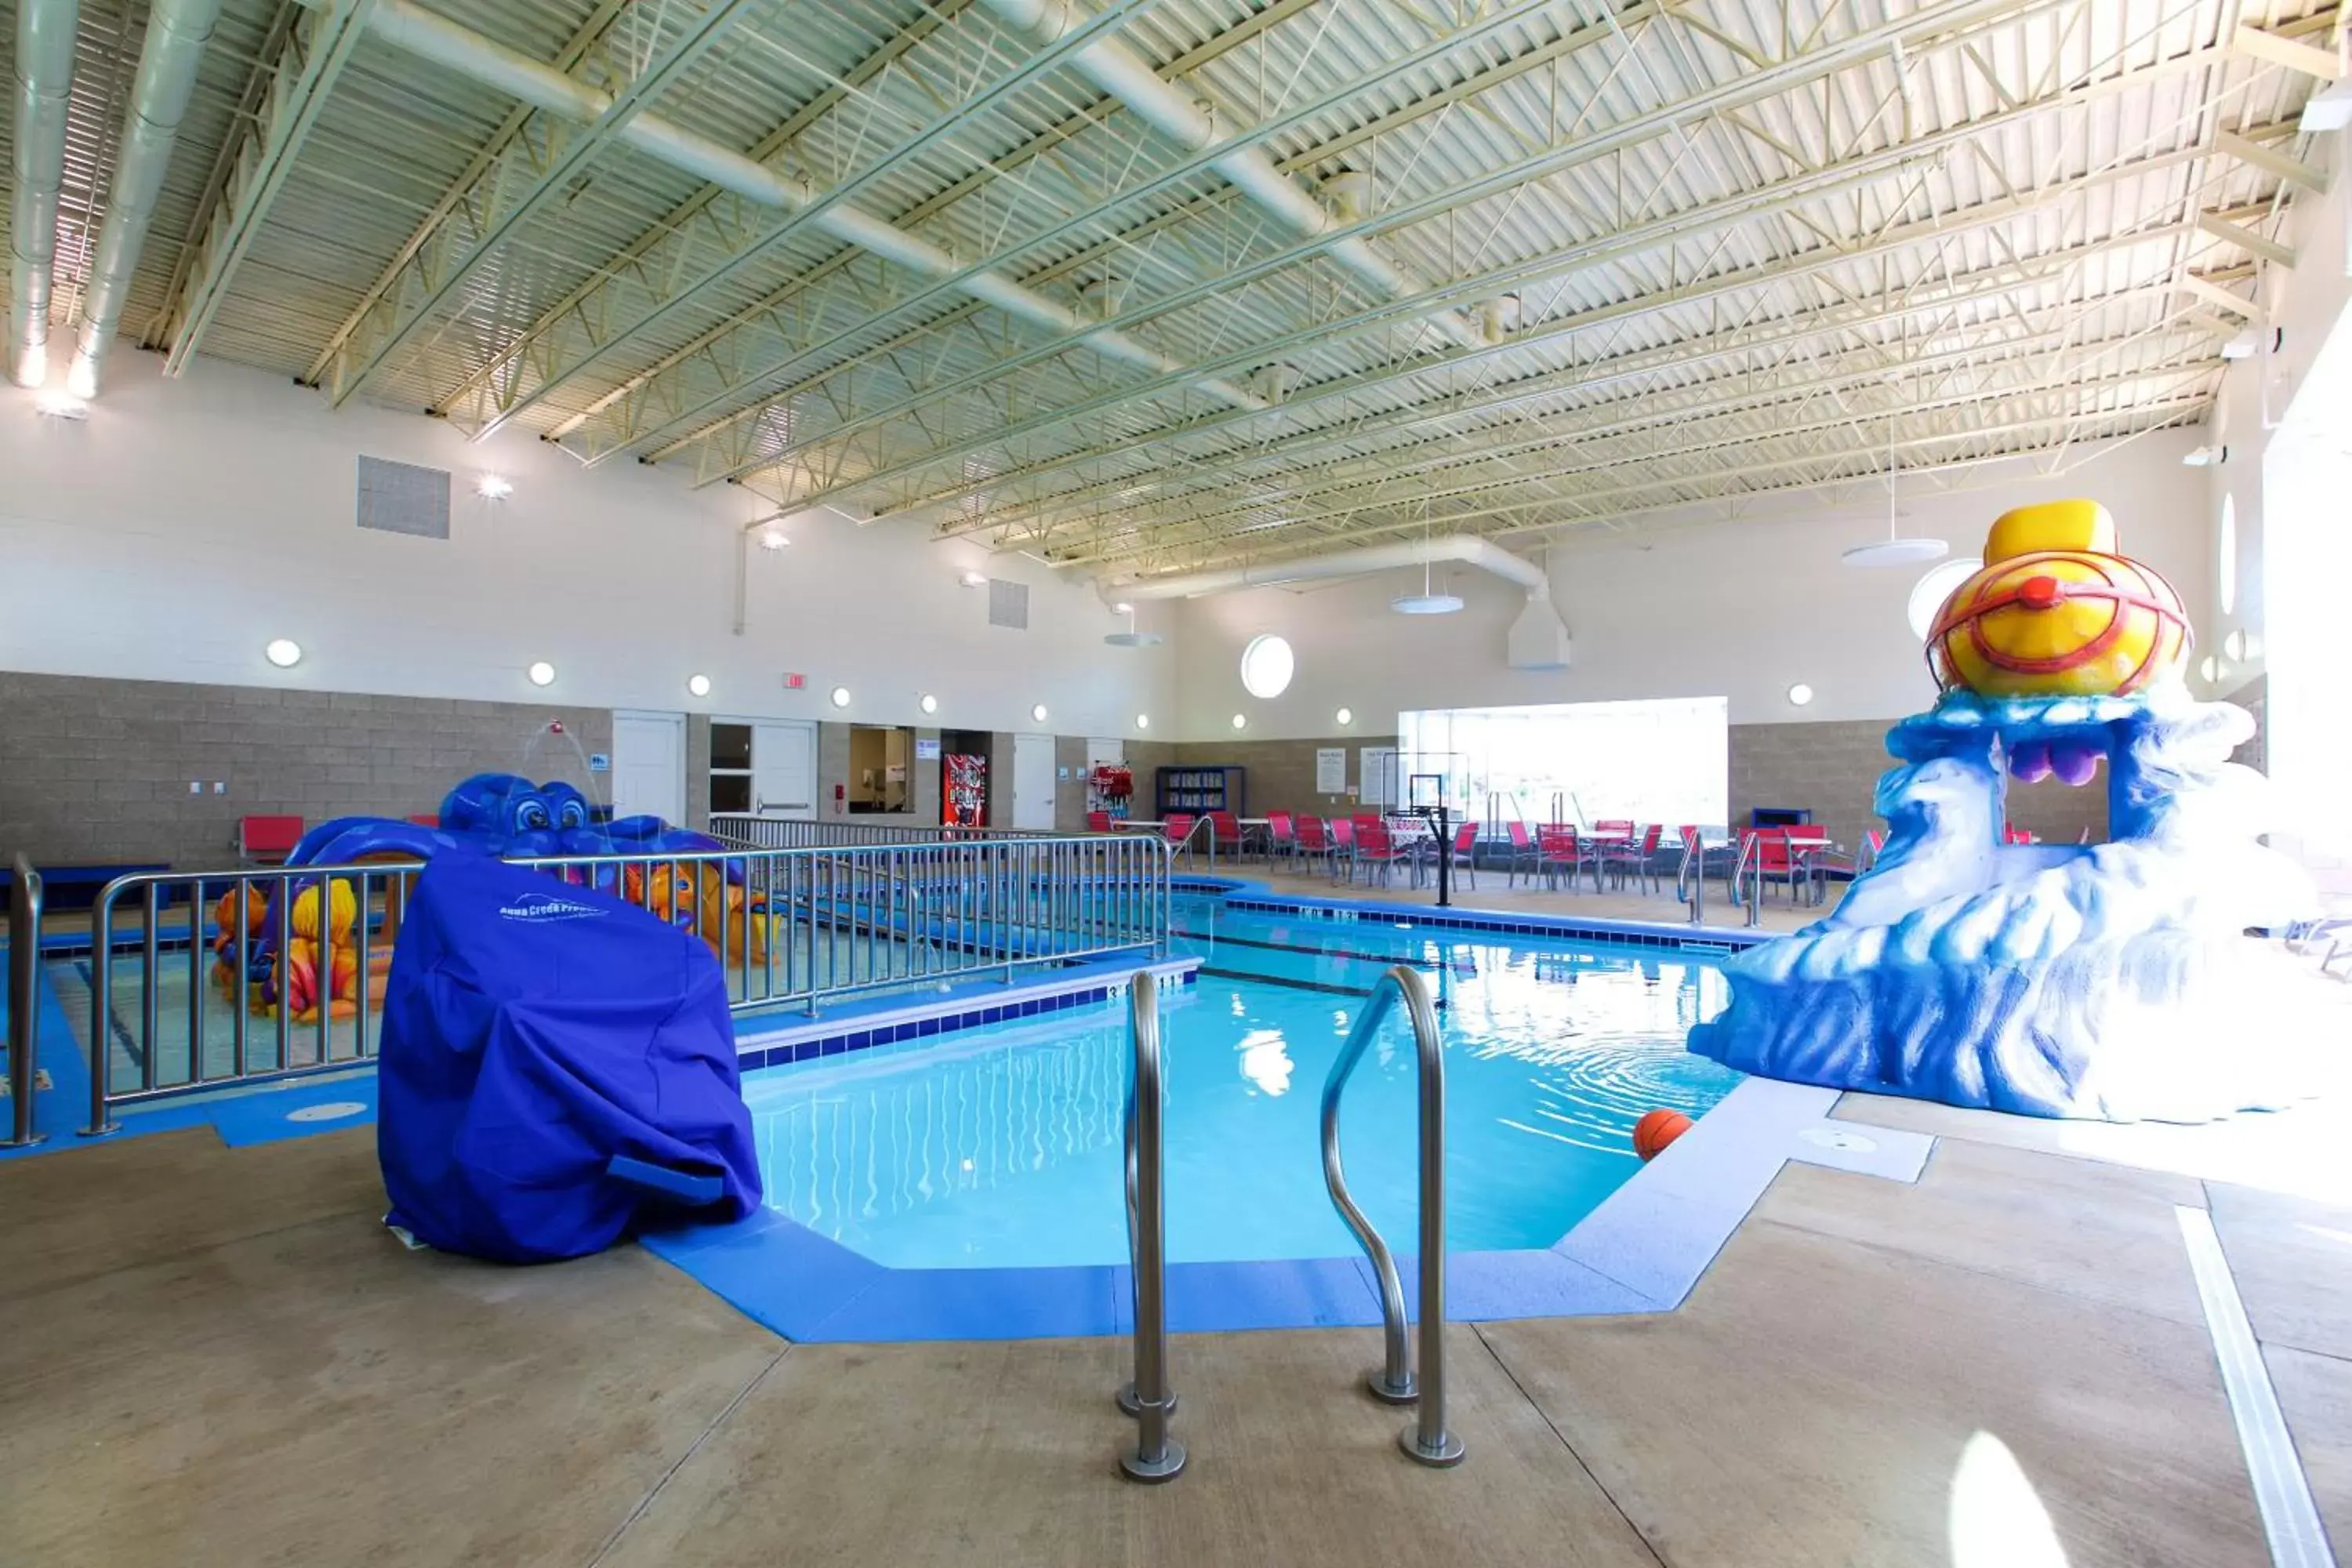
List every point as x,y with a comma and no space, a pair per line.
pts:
1428,602
1130,637
1891,550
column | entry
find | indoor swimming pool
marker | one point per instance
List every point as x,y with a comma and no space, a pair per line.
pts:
999,1147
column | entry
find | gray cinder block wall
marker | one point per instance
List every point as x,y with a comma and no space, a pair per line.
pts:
95,771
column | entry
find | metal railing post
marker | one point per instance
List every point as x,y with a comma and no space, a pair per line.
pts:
1427,1440
24,1001
1157,1456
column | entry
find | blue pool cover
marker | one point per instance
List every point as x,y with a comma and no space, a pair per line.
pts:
555,1062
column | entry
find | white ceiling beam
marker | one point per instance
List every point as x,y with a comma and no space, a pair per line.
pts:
2270,161
318,44
2214,294
2291,53
521,186
2246,239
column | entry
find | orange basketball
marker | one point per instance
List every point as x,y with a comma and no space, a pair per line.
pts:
1656,1129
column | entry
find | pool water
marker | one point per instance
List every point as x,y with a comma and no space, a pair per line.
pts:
999,1147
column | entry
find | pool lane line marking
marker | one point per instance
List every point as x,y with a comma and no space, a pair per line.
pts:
1466,967
2282,1491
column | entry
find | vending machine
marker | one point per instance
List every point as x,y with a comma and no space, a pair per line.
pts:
963,791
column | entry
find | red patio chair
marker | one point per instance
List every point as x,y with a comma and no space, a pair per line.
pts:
267,840
1098,822
1558,850
1375,847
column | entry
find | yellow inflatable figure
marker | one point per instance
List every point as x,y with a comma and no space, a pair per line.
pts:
319,949
738,929
2057,612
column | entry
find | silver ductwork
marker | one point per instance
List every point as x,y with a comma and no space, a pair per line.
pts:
1539,638
1129,77
45,62
177,32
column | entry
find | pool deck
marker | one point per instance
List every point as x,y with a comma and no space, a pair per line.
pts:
217,1355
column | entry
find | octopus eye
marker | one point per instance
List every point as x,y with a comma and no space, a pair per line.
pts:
574,814
530,816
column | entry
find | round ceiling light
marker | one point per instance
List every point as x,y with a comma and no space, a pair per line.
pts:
841,697
1038,713
541,673
1346,716
1268,665
1800,694
1896,553
1426,604
1143,720
283,652
699,685
928,703
1241,720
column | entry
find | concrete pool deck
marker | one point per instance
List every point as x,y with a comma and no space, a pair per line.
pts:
217,1355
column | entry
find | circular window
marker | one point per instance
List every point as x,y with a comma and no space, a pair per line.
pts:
1268,665
2225,563
1928,595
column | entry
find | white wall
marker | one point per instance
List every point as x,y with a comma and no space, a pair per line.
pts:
187,523
1684,607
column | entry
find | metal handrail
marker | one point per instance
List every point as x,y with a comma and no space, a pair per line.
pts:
1690,879
814,924
1750,854
24,1001
1157,1456
1427,1440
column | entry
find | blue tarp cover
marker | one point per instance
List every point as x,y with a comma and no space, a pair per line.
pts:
533,1033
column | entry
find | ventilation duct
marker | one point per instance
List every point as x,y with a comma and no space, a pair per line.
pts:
177,32
1127,76
1539,638
44,60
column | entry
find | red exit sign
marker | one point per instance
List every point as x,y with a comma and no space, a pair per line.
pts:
795,682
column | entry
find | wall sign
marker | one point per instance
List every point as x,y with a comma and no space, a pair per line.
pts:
1330,770
598,763
927,750
1376,765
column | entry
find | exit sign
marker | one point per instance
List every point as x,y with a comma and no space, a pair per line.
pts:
795,682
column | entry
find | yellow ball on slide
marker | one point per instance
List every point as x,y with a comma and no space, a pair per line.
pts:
2056,613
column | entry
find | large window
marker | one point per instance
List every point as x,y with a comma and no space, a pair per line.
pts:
1667,761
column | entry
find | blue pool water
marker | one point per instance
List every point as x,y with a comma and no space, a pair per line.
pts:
999,1147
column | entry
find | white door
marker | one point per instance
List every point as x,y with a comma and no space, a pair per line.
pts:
1033,782
649,766
783,770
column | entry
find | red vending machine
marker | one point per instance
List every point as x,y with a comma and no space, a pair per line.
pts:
963,791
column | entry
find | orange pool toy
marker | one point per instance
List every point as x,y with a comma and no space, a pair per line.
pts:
1656,1129
2058,612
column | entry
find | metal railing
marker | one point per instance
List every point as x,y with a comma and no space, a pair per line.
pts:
791,927
1690,879
749,830
1427,1439
1157,1456
1750,864
24,1001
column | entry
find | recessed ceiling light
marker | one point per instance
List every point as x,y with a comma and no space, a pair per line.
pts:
1143,720
841,697
541,673
928,703
698,684
1346,716
283,652
773,539
1800,694
1241,720
493,487
1038,713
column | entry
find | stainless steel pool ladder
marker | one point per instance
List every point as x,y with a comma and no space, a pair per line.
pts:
1156,1457
24,1001
1427,1439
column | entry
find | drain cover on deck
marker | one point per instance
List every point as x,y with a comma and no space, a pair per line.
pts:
1833,1138
329,1111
